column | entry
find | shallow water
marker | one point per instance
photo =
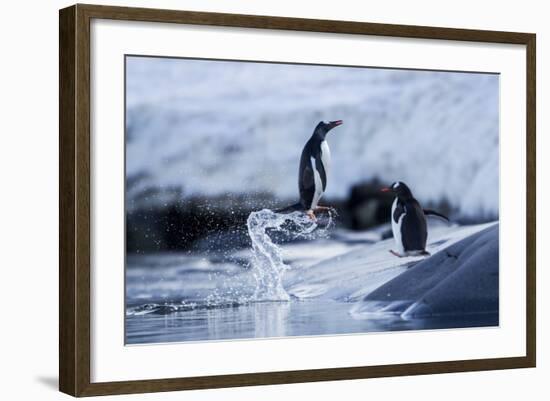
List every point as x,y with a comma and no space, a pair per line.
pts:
275,319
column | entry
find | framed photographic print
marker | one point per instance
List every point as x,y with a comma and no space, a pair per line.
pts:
250,200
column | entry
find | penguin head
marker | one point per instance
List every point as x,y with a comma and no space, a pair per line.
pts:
324,127
400,189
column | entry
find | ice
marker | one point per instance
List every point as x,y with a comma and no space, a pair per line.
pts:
461,280
352,276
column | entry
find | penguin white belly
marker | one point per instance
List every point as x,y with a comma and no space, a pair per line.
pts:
318,186
396,228
325,157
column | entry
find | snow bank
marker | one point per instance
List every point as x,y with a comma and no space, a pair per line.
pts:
199,127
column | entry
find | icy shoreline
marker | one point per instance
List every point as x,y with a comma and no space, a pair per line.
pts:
461,279
462,273
348,283
352,276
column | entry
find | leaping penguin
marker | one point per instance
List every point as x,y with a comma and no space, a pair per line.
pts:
408,222
314,170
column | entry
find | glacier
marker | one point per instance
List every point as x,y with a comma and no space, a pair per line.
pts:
208,128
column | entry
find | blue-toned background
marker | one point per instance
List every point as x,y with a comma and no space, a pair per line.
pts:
209,128
211,146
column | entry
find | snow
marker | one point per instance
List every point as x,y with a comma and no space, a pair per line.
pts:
211,127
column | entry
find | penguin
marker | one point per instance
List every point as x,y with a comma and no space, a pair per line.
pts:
408,222
314,170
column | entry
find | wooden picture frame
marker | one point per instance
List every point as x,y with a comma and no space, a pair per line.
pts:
74,204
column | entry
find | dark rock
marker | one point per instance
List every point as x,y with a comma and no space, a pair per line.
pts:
368,206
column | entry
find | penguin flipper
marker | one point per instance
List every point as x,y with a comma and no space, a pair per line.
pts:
414,230
429,212
306,185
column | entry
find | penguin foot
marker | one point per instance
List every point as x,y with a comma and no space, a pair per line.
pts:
422,252
410,253
311,215
329,209
396,253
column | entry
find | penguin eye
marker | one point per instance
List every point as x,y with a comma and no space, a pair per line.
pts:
396,185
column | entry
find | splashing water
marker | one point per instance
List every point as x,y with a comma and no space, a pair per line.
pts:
228,287
267,262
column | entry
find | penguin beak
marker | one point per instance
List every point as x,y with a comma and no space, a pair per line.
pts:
385,190
336,123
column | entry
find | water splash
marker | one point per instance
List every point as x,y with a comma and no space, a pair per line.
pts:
233,286
267,262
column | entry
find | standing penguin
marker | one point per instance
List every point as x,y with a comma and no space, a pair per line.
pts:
408,222
314,170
